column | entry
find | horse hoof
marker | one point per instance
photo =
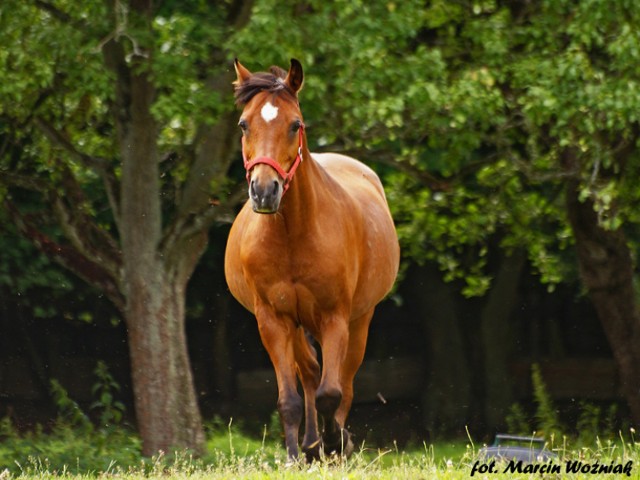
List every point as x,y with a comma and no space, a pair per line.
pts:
312,452
348,446
343,446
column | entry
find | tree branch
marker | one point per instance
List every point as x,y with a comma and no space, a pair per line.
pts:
98,164
215,145
79,227
67,256
87,239
239,13
60,15
95,163
54,11
23,181
185,227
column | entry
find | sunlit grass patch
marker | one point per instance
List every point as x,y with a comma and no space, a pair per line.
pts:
78,454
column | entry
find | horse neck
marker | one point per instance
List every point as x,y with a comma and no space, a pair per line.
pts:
302,200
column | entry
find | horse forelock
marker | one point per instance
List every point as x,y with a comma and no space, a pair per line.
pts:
263,82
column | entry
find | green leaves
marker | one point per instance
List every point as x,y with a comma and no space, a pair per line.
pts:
474,103
104,391
185,44
469,105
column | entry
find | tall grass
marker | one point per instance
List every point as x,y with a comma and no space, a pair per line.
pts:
70,453
76,448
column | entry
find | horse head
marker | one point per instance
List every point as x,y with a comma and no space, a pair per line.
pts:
272,131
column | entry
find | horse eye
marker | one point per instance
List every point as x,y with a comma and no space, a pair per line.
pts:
243,125
295,126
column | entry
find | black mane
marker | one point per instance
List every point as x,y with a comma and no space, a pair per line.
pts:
272,81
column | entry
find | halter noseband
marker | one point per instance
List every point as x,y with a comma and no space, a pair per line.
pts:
286,176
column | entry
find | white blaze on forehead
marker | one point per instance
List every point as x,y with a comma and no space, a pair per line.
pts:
269,112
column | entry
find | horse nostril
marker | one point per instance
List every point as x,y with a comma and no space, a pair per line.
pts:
276,185
252,188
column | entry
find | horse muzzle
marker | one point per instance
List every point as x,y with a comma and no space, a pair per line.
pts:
265,195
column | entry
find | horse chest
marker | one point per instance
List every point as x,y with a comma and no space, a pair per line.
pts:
294,285
297,276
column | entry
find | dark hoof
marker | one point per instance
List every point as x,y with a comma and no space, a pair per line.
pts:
312,452
341,445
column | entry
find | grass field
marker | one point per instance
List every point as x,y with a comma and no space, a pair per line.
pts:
71,454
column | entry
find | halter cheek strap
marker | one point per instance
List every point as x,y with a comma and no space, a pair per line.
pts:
286,176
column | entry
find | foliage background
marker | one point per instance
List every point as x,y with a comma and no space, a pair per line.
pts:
480,116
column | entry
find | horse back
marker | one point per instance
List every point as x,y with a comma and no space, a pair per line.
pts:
349,172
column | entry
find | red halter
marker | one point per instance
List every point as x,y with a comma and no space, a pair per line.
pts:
286,176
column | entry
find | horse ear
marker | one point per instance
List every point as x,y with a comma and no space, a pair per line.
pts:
242,73
295,77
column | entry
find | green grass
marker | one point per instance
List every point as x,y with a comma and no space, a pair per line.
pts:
73,453
75,448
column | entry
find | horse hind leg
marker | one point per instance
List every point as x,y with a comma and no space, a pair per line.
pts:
309,374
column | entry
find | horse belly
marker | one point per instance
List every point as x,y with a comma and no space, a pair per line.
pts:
380,259
378,247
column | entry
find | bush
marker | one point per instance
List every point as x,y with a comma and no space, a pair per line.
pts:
592,424
74,443
77,446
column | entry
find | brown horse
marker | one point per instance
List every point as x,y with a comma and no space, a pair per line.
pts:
309,255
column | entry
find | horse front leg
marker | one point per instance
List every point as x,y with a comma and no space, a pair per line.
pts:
334,341
309,374
277,334
358,333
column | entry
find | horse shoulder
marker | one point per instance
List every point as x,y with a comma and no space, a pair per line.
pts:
233,264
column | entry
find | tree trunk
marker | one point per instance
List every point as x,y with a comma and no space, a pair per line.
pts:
166,406
155,275
447,392
154,287
497,339
606,269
